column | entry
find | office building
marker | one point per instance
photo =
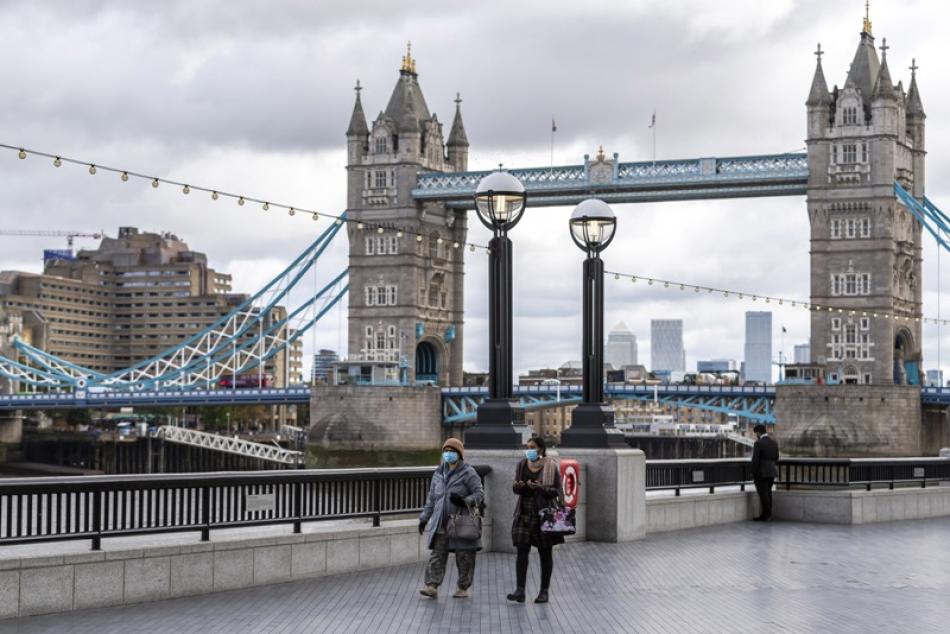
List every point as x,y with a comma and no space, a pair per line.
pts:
803,353
758,346
666,345
934,378
621,347
322,362
126,301
716,366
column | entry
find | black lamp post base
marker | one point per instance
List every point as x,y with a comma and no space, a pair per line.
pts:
499,424
592,427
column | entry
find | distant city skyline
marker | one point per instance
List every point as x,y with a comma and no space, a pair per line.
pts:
666,345
621,347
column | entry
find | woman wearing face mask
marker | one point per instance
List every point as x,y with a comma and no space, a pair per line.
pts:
455,487
537,485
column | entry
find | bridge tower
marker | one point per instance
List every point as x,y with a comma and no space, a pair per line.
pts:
865,246
405,300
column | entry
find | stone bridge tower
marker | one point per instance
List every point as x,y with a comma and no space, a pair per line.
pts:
406,258
865,245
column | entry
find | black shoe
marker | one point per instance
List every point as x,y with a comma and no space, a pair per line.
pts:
542,597
517,595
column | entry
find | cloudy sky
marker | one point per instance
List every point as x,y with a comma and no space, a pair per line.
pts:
255,97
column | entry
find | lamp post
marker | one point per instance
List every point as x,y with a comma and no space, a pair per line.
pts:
592,228
499,203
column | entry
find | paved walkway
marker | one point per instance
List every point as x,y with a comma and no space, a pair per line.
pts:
775,577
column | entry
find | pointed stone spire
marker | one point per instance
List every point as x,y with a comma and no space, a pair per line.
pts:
408,119
818,95
457,137
914,106
865,67
358,125
884,88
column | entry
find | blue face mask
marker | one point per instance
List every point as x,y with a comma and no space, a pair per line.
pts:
450,457
531,454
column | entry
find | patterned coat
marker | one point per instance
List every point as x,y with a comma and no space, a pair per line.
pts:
445,481
526,526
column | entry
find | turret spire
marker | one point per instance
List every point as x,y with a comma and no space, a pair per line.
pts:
357,125
866,28
408,64
457,137
818,95
884,88
914,107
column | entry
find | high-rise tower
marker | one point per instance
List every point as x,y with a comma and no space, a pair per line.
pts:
865,246
405,301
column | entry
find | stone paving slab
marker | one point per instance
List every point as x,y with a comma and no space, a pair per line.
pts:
776,577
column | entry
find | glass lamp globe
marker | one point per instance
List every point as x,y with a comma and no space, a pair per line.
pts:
592,225
500,201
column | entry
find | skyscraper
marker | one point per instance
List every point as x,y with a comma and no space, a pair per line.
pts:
621,347
666,345
758,346
803,353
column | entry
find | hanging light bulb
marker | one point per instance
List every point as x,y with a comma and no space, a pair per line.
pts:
379,230
817,307
725,293
753,298
124,177
768,300
186,190
214,195
695,289
399,233
22,153
92,169
265,206
418,238
57,162
471,248
438,240
339,221
455,245
741,296
633,279
666,284
316,217
291,211
682,288
359,225
616,276
241,201
155,183
650,282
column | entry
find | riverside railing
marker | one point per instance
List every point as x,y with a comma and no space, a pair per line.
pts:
93,507
841,473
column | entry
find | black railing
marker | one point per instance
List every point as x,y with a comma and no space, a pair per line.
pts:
697,474
842,473
93,507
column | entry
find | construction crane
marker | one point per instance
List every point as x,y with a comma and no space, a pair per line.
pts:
52,233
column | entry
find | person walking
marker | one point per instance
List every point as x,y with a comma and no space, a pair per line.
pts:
764,459
455,488
538,485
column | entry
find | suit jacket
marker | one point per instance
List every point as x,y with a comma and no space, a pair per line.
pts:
764,457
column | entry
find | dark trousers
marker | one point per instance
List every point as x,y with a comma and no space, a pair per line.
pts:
521,565
763,486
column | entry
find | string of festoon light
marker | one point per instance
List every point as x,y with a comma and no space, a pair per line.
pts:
241,199
725,293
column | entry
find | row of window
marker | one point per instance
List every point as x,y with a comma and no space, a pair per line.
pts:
850,284
381,245
864,322
380,179
850,228
847,153
849,115
381,295
381,343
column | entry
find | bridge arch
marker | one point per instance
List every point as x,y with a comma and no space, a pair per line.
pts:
430,355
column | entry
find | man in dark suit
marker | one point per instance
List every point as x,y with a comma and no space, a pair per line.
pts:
764,459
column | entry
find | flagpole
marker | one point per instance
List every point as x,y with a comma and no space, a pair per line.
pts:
553,130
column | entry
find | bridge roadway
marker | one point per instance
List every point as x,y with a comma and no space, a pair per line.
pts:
459,404
749,577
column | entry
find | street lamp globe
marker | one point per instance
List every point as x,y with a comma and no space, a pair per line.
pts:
592,225
500,201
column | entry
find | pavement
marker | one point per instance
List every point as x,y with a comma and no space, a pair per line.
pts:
749,577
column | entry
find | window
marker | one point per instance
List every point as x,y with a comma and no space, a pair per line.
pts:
850,334
865,284
390,331
370,246
835,229
371,296
867,378
864,152
380,179
836,285
369,331
382,147
850,224
865,323
836,323
865,227
850,116
849,153
393,245
834,153
850,284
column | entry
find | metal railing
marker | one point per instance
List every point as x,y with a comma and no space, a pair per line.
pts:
840,473
94,507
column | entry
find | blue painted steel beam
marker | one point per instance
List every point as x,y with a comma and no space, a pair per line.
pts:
646,181
156,398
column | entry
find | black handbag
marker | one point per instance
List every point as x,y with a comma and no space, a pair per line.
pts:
466,525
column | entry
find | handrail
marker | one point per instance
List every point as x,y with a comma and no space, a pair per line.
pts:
94,507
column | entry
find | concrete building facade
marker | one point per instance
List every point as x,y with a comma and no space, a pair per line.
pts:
865,246
128,300
666,345
405,261
758,346
621,347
